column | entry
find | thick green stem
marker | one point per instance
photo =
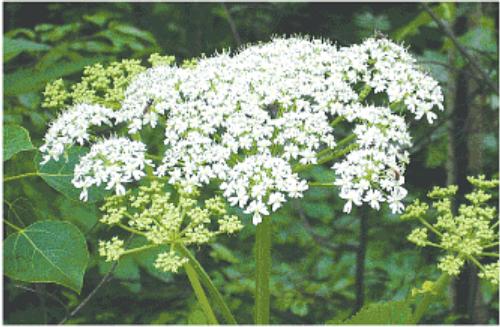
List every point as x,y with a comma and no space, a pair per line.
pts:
428,297
200,294
207,282
263,271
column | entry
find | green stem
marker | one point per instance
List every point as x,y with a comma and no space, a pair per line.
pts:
336,121
489,254
200,294
477,263
327,158
422,306
337,154
341,143
207,282
263,271
426,224
491,245
139,249
364,93
130,229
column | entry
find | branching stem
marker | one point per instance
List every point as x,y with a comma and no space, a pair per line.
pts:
207,282
200,294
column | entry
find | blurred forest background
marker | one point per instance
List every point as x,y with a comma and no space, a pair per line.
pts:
325,264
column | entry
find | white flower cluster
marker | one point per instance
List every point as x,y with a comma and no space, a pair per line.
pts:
260,182
112,162
388,67
373,171
71,127
248,119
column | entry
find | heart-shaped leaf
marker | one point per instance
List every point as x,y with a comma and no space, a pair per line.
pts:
58,174
47,252
15,139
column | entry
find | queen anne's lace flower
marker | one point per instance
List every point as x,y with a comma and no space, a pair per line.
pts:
72,127
112,162
250,119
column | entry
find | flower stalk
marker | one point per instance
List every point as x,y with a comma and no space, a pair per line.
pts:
263,271
207,282
200,294
423,305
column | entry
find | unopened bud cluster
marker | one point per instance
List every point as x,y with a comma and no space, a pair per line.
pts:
164,218
469,236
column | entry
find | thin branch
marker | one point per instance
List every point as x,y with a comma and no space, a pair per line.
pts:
427,138
103,281
232,24
449,32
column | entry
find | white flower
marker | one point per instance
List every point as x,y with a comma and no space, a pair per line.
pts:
114,162
374,197
245,120
275,200
72,126
352,196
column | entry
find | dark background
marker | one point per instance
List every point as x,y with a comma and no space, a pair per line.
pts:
325,264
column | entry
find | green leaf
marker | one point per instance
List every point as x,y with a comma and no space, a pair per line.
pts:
29,79
221,252
58,174
133,31
395,312
100,18
83,215
13,47
47,252
127,272
15,140
443,11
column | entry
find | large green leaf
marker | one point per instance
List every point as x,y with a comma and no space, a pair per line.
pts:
28,79
58,174
47,252
13,47
395,312
15,139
